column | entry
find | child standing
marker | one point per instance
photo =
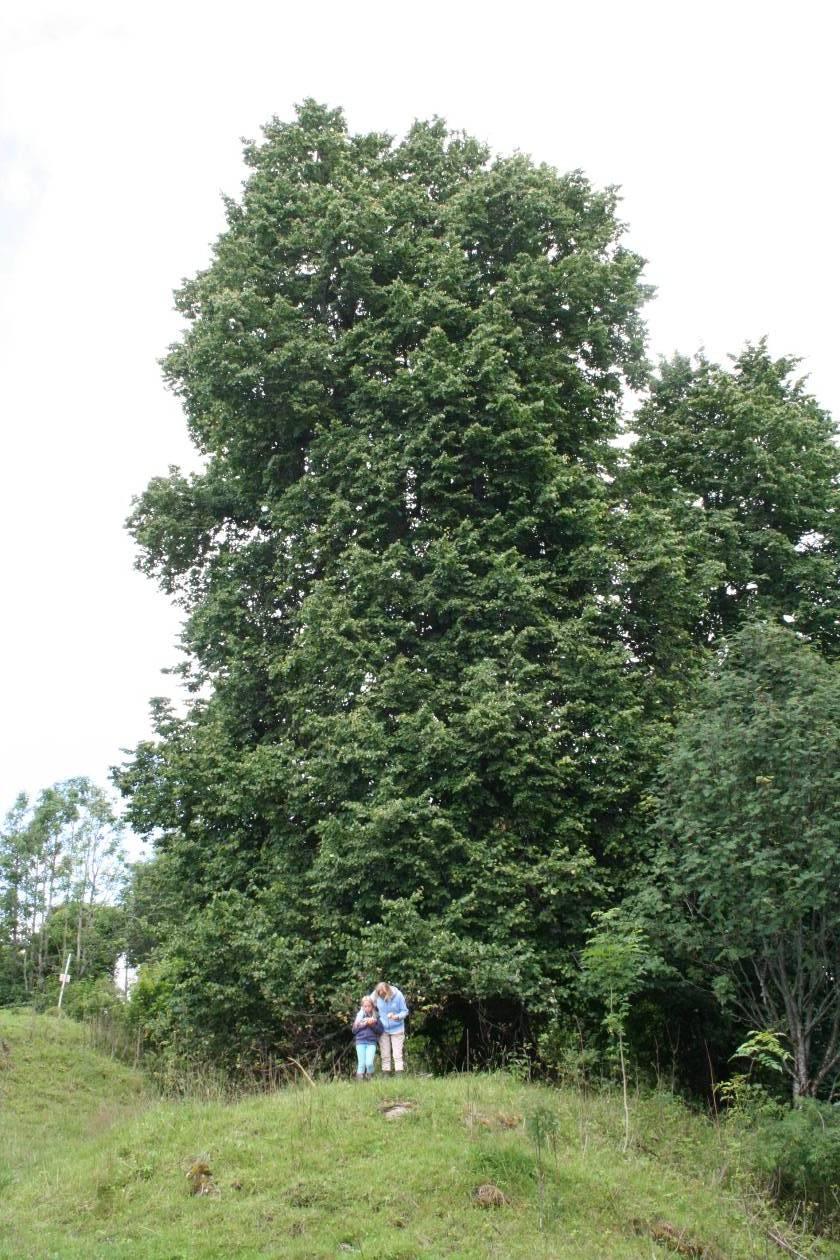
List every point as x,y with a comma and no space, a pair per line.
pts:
366,1032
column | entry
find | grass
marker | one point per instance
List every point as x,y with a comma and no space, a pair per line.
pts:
92,1165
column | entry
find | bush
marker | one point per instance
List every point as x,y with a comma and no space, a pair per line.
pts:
797,1152
568,1058
85,999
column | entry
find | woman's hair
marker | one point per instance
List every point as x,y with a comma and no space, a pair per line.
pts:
384,990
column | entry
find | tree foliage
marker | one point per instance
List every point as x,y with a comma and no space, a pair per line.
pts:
438,624
404,369
61,860
748,809
747,466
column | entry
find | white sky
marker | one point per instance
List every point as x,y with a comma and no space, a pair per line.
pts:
119,128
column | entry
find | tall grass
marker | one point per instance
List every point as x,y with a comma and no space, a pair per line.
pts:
103,1167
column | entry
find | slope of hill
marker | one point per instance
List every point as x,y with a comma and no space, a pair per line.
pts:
92,1166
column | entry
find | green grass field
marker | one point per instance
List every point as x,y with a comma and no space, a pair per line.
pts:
93,1165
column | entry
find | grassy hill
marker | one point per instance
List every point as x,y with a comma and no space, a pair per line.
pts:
91,1165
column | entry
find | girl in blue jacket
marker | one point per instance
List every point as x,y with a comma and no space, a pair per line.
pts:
366,1032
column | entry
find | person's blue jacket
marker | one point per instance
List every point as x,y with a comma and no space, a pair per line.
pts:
394,1005
366,1034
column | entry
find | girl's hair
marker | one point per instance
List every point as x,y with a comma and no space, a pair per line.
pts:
384,990
366,998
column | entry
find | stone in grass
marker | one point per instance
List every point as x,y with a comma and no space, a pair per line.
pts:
394,1110
489,1196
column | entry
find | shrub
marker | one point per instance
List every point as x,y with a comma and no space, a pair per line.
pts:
568,1057
797,1153
87,998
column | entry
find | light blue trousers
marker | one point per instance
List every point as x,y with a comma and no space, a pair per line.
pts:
365,1054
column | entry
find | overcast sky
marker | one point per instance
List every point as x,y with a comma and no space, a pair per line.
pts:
120,126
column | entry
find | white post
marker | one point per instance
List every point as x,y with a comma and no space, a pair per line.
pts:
65,976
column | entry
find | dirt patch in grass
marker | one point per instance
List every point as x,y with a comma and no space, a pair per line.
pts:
493,1120
678,1241
304,1196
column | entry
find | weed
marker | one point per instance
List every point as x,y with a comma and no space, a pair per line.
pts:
541,1125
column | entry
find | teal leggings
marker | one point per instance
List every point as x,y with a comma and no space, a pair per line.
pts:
365,1054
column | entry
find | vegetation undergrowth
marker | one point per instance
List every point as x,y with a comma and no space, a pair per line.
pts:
92,1163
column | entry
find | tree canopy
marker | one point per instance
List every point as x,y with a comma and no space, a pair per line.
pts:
404,367
438,623
747,465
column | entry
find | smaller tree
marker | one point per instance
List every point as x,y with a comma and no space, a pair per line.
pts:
747,815
14,846
103,940
746,464
61,863
614,964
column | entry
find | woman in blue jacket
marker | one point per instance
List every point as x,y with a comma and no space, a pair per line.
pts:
392,1010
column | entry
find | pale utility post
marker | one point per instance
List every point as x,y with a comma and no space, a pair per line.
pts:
64,978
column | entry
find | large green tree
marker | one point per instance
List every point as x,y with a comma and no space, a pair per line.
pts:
416,733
